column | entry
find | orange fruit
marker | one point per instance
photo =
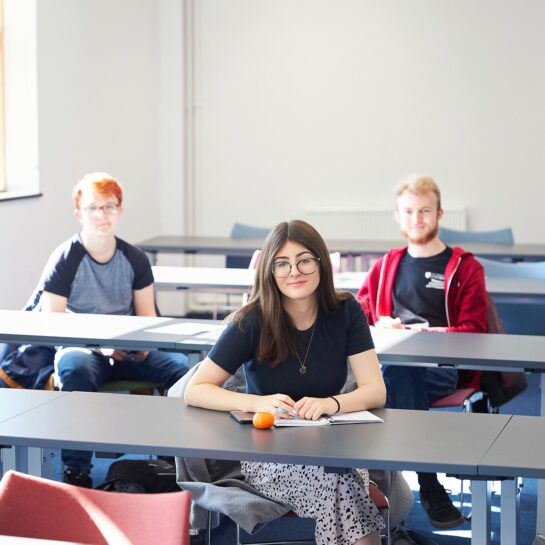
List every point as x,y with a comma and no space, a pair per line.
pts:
263,420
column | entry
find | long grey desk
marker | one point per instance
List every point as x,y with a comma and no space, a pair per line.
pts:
351,248
518,452
14,403
523,290
401,347
407,440
92,330
461,350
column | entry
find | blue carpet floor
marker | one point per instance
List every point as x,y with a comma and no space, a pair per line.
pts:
525,404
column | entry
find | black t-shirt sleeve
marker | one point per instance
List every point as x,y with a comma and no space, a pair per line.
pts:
61,268
143,274
358,333
237,344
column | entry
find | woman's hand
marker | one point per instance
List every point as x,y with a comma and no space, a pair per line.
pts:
311,408
281,405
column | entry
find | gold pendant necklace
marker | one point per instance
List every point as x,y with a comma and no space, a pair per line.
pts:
302,366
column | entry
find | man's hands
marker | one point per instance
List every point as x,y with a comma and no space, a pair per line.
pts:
387,322
124,356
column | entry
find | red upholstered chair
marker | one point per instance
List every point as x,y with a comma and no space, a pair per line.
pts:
464,397
38,508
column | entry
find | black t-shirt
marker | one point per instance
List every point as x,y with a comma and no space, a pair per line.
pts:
337,335
419,289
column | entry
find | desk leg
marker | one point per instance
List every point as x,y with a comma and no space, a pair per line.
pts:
34,461
481,493
540,520
48,461
8,460
510,502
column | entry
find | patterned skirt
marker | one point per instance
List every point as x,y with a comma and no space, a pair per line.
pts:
338,502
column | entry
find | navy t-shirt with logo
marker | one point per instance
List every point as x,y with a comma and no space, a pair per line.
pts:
419,290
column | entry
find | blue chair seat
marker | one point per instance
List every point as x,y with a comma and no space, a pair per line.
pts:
241,230
498,236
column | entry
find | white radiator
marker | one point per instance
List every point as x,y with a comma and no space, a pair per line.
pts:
368,224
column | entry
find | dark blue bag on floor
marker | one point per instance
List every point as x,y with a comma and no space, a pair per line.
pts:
26,366
141,477
404,536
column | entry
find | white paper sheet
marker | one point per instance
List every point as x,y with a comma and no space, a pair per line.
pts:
187,328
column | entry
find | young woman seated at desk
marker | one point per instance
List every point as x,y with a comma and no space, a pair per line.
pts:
294,338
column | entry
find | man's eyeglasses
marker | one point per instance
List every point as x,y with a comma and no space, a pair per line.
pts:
108,208
307,265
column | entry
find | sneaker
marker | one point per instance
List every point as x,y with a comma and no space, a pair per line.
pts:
72,475
439,507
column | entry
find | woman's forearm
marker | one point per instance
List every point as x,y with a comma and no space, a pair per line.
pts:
210,396
367,396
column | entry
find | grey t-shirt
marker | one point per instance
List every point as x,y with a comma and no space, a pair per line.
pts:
93,287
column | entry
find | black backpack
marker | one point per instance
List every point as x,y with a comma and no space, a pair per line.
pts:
141,477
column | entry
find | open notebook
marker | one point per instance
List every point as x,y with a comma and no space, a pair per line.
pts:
358,417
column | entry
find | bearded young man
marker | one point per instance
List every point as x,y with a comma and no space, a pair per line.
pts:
426,286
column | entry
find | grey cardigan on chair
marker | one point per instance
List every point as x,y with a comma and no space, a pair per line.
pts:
218,486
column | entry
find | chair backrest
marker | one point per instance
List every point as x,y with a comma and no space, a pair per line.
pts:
39,508
241,230
498,236
504,269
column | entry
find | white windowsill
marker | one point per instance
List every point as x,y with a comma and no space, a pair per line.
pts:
13,195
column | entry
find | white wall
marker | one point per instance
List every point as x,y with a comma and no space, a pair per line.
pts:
316,103
98,104
298,104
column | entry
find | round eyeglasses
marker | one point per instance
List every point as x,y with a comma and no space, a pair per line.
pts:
108,208
307,265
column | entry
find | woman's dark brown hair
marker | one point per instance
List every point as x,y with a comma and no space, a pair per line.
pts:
277,330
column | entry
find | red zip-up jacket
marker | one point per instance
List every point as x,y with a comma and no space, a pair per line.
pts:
465,291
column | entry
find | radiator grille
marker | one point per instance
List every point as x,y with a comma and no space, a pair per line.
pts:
368,224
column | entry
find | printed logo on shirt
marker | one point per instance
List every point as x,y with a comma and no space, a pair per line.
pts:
435,280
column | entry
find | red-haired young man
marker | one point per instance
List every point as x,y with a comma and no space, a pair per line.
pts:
98,273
